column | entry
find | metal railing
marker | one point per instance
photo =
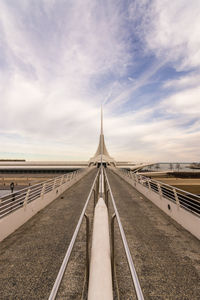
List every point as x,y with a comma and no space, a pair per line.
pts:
61,272
11,202
100,187
181,198
100,285
134,276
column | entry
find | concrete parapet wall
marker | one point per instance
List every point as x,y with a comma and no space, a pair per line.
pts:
14,220
186,219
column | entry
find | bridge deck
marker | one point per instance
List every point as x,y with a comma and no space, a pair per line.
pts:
30,258
166,256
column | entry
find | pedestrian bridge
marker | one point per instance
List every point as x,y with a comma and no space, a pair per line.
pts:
101,232
53,248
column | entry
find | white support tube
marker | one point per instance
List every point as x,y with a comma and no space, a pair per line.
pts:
101,183
100,280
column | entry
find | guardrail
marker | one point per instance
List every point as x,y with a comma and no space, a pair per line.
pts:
18,199
71,245
100,284
181,198
97,283
180,205
134,276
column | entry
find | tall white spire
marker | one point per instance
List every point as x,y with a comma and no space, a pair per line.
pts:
101,120
101,150
102,153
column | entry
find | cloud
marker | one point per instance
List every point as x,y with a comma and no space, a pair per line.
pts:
186,102
59,60
171,30
184,82
56,62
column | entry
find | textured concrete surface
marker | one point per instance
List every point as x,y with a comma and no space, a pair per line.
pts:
166,257
74,283
30,258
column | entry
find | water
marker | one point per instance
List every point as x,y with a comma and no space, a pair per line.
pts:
182,167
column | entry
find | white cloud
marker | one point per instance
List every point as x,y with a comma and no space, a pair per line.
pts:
51,86
184,82
61,59
171,30
186,102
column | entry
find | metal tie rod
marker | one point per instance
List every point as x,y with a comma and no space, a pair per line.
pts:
128,254
71,245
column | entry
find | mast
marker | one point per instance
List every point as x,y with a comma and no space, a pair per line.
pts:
101,139
102,152
101,120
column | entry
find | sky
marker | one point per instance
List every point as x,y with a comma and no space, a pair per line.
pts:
61,59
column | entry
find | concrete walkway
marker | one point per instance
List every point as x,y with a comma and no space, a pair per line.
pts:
30,258
167,257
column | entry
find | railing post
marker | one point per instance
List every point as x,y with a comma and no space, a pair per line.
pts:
54,184
69,176
176,197
149,185
62,180
43,189
132,176
106,197
105,186
159,190
87,246
136,178
94,197
26,198
113,245
97,187
140,178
